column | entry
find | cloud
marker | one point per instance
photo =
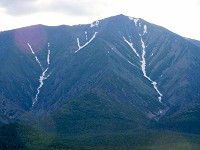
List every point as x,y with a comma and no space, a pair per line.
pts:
74,8
18,7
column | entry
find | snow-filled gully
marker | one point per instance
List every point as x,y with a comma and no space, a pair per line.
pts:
143,67
36,58
81,47
92,25
44,74
143,60
131,45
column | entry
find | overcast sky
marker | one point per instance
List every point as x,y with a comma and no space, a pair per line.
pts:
180,16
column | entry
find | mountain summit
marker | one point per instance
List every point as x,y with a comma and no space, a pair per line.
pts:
121,70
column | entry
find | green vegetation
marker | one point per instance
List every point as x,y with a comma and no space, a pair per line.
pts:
93,122
18,136
141,140
188,121
91,113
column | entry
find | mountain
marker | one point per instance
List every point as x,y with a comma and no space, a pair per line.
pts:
116,74
196,42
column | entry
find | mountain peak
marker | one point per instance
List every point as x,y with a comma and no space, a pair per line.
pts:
116,69
120,16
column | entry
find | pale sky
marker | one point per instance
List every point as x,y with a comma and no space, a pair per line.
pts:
179,16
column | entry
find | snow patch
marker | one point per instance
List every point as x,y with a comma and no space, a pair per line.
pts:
135,21
131,18
131,45
80,47
94,24
86,37
145,29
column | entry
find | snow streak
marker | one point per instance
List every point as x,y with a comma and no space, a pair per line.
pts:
143,67
143,60
131,45
41,80
48,55
131,64
36,58
43,76
80,47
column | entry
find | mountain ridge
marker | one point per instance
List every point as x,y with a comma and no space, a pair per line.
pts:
121,60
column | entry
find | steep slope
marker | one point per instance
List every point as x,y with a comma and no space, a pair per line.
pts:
123,61
102,65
